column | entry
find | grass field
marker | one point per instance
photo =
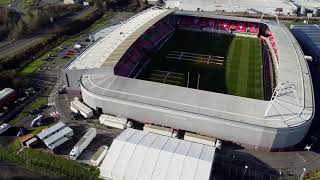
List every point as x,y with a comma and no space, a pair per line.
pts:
212,62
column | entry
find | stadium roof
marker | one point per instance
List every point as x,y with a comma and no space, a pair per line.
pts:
138,154
291,108
293,68
309,36
108,50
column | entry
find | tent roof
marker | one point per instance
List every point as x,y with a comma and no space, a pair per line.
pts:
138,154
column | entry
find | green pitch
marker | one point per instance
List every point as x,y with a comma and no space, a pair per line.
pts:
210,62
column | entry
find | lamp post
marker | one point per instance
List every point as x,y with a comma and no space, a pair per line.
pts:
245,169
303,173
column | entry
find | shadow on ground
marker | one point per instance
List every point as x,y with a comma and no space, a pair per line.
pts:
231,165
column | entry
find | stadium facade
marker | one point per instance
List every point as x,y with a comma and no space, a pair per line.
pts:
106,76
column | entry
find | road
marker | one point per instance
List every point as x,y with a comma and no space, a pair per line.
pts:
26,41
13,6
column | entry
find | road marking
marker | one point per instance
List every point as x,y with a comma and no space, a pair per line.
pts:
53,114
301,157
51,104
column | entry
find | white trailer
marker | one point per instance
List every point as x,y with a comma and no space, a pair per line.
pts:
32,142
37,121
112,121
78,107
200,139
83,143
4,127
157,129
99,156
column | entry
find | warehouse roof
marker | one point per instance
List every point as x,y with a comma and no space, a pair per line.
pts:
308,35
5,92
47,132
61,133
137,154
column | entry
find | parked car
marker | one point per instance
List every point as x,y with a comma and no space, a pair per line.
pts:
22,131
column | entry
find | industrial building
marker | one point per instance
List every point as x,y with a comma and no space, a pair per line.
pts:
138,154
273,124
55,135
255,6
280,7
7,96
308,36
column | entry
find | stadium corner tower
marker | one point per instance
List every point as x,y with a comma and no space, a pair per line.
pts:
237,79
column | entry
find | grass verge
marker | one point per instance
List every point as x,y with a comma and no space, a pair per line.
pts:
5,1
40,101
46,163
37,130
314,175
30,68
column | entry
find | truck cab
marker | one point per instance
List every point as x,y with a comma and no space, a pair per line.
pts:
74,153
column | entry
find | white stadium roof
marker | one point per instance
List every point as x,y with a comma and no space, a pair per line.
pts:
107,51
138,154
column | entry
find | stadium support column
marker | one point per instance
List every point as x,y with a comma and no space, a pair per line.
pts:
198,82
188,79
276,102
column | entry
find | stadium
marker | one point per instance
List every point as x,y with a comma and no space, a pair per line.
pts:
237,79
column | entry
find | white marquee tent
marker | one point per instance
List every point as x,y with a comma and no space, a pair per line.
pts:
137,154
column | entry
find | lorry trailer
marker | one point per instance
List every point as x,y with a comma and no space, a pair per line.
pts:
99,156
78,107
158,129
113,121
83,143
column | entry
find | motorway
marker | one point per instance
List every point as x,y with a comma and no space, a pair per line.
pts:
26,41
13,6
